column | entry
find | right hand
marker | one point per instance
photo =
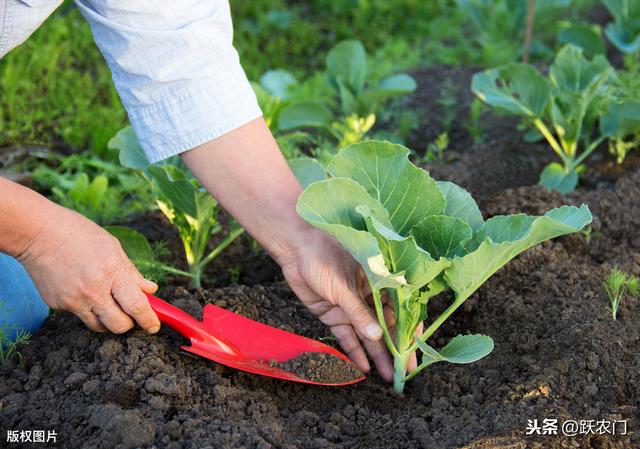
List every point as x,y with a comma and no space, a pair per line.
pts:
79,267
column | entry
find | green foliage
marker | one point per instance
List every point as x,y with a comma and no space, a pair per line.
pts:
435,150
587,37
100,190
346,69
565,108
616,285
9,346
624,31
184,202
498,27
57,86
416,238
474,126
622,123
143,255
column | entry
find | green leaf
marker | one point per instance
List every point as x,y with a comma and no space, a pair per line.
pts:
307,170
571,71
460,204
467,348
621,119
347,61
134,244
407,192
179,192
277,82
396,85
461,349
516,88
403,255
79,191
330,205
400,83
130,151
97,190
555,177
583,36
442,236
625,35
469,272
304,114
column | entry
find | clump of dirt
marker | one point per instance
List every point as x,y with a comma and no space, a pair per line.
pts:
322,367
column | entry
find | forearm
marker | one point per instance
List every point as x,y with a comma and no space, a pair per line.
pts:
23,214
246,172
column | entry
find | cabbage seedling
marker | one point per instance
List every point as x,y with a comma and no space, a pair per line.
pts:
415,238
184,202
563,108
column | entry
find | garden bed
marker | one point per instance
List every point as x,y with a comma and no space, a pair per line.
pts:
558,354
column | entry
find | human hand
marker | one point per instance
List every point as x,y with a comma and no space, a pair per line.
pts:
332,285
79,267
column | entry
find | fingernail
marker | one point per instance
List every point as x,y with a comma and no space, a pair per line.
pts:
373,331
154,329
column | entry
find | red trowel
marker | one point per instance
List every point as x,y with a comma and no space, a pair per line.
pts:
245,344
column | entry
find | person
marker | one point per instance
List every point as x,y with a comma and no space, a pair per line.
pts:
185,92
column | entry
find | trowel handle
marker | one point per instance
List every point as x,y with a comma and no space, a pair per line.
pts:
187,326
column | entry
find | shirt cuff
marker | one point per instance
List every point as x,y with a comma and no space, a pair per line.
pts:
205,109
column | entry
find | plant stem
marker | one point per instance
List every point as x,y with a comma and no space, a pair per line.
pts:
233,234
399,371
438,321
555,146
173,270
380,315
588,151
528,36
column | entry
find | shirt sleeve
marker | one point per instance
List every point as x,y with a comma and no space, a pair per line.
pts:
175,68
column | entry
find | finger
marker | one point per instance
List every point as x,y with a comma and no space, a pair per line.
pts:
90,320
350,343
389,316
112,317
381,358
135,304
361,315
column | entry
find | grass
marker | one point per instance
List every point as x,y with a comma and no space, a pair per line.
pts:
617,284
56,88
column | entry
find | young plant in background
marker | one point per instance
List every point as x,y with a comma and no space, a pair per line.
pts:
93,199
624,31
564,108
621,123
184,202
617,284
416,238
347,72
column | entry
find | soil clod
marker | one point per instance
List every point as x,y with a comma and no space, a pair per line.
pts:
322,367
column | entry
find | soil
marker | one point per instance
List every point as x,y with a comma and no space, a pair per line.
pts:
322,367
558,354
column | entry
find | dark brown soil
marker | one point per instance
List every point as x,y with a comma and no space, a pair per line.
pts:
322,367
558,354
